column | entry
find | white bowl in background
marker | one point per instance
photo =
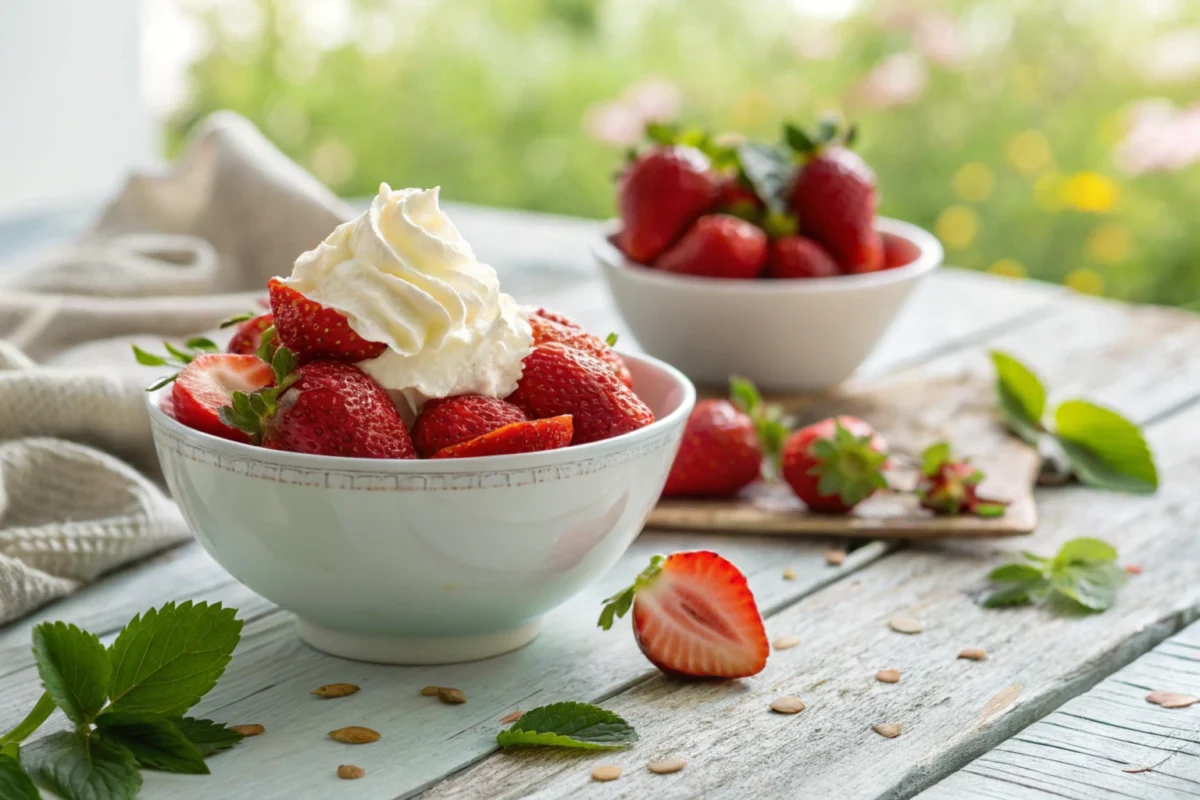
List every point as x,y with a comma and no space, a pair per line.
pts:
424,561
796,335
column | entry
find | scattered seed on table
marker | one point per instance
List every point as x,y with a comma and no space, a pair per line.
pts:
512,717
1133,569
349,772
787,705
789,574
973,654
834,558
431,691
1132,770
889,730
1171,699
335,690
666,766
787,641
248,730
608,772
888,676
905,623
451,696
355,734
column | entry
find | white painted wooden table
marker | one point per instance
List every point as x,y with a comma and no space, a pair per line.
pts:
964,723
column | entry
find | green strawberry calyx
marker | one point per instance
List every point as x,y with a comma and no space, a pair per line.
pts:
847,466
250,412
770,423
949,486
829,131
619,604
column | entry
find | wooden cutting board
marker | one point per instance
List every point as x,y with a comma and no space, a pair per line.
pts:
911,413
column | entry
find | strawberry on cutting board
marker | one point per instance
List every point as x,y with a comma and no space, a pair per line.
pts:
518,437
312,331
718,246
835,464
719,454
559,380
448,421
694,616
833,195
660,195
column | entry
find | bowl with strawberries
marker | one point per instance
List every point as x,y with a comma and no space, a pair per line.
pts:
768,261
415,466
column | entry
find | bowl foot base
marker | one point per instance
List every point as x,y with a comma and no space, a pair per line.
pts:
383,649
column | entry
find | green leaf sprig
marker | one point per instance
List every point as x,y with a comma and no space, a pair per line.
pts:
574,725
176,357
770,423
1084,576
1103,448
126,703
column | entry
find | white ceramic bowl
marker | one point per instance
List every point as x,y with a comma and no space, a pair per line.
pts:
785,335
418,562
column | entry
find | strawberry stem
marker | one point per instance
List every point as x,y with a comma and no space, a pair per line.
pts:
619,604
848,466
770,424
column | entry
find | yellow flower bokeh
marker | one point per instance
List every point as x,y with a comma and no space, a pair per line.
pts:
957,227
1008,267
1085,281
1108,244
1090,191
974,182
1029,151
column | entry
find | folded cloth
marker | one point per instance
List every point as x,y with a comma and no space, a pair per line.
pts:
173,253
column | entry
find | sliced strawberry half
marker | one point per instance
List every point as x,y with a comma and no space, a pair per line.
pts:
448,421
518,437
312,331
207,384
694,616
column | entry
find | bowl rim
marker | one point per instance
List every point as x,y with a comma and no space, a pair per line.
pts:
930,259
429,466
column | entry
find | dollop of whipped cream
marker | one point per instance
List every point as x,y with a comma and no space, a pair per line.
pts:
403,275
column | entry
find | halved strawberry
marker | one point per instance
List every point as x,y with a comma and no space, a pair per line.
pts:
249,334
694,616
835,464
518,437
312,331
558,328
448,421
208,383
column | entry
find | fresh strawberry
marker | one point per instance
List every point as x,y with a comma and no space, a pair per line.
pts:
718,246
208,382
799,257
325,408
833,194
312,331
548,329
660,195
694,616
553,316
518,437
950,487
560,380
736,198
835,464
719,455
898,251
449,421
250,334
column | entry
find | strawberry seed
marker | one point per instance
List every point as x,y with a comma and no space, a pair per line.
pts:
888,676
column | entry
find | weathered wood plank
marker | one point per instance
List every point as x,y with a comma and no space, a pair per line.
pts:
1090,746
951,710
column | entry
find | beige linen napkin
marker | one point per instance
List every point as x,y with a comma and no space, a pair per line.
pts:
169,256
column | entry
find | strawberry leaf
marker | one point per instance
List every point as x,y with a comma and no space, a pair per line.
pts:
237,318
15,784
74,668
153,740
1105,449
577,725
619,604
768,170
78,766
148,359
934,457
202,345
847,466
1083,576
1021,397
208,736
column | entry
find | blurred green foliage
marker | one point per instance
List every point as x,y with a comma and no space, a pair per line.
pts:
1005,126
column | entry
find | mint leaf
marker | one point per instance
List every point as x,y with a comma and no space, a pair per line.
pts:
74,669
153,740
14,783
1092,586
1020,395
208,736
569,725
1085,550
769,172
1105,449
82,767
167,659
1083,576
1015,595
1015,573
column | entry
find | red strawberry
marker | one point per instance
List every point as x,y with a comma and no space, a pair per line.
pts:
559,380
738,199
325,408
898,251
450,421
694,616
950,487
312,331
719,455
833,194
799,257
208,383
249,335
718,246
835,464
660,195
553,316
518,437
547,330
